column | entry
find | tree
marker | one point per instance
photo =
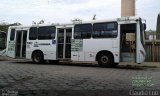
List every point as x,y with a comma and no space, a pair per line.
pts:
158,26
15,24
4,26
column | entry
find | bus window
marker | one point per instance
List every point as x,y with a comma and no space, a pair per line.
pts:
105,30
82,31
47,32
33,33
12,34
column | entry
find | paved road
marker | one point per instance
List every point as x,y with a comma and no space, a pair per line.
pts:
27,79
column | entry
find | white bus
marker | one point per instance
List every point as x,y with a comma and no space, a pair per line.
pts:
107,42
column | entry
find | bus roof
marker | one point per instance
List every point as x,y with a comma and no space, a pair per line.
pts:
131,18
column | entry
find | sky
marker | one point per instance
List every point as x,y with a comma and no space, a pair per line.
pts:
63,11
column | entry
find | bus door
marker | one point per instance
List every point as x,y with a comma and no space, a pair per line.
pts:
21,38
64,43
128,42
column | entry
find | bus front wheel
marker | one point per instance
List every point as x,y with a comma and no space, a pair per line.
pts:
106,60
37,57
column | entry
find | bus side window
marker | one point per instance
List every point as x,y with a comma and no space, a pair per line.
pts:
12,36
82,31
105,30
33,33
46,33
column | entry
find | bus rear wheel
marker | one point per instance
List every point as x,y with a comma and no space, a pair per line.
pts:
106,60
37,57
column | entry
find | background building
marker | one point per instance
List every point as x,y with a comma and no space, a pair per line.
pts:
150,35
127,8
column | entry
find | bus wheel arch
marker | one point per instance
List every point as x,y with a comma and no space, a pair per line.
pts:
105,58
37,56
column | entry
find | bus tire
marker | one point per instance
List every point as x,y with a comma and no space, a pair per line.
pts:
38,57
106,60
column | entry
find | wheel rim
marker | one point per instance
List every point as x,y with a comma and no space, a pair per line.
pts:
37,57
104,59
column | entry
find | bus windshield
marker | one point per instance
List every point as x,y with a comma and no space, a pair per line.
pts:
142,30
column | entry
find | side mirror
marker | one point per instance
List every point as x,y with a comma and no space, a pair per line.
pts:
144,26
